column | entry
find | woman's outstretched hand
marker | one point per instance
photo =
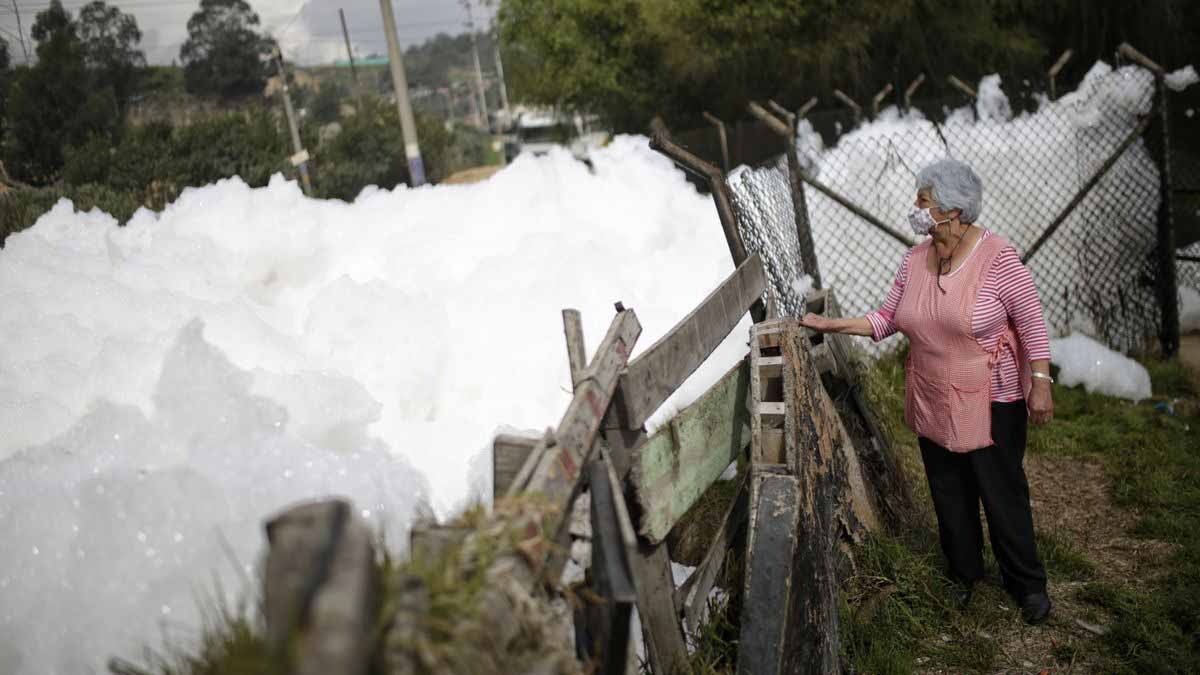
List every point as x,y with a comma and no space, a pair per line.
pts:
817,323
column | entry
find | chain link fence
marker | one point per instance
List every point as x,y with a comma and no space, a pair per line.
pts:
1096,271
1184,108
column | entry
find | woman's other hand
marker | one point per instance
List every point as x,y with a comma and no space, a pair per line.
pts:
1041,402
817,323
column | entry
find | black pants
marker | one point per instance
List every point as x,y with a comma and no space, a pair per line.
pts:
995,475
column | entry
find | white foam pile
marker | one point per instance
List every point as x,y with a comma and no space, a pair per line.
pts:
1082,360
1026,183
166,385
1182,79
1189,309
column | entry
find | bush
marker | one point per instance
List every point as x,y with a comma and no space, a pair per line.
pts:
20,209
149,165
370,151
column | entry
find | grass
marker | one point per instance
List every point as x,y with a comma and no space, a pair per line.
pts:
452,632
895,615
898,615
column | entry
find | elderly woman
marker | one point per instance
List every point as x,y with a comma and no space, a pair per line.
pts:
978,370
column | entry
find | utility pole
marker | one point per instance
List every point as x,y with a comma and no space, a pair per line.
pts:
408,126
349,53
478,70
20,33
449,92
300,158
500,74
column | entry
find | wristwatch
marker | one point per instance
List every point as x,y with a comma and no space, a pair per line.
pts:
1042,376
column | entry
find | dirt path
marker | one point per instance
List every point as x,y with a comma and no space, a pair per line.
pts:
1072,501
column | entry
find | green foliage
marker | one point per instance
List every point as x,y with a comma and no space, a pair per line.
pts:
449,636
221,56
110,38
444,57
149,165
5,78
1062,558
324,106
159,160
1153,459
632,59
167,80
51,105
230,644
74,92
370,151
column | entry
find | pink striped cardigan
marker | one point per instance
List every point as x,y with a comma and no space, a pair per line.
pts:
1008,291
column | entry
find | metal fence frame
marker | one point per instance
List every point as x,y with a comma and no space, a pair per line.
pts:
1134,301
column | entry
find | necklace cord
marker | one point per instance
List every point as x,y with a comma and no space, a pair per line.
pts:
943,261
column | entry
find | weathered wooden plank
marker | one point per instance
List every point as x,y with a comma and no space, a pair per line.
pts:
319,588
692,596
520,481
770,548
557,473
576,353
681,460
662,633
824,461
872,473
657,373
771,408
509,453
612,574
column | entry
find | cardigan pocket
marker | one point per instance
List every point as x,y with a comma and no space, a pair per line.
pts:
969,431
921,408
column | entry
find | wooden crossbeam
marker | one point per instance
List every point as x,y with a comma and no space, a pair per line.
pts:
660,370
557,473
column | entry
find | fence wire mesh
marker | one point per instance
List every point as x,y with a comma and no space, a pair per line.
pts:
762,199
1185,181
1096,273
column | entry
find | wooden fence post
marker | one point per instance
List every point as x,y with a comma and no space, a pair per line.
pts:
319,588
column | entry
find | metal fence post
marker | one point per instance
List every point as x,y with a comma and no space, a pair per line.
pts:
720,125
912,89
878,99
1056,69
1166,283
849,103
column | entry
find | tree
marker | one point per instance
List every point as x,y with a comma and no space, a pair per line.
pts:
52,105
110,38
222,55
632,59
5,76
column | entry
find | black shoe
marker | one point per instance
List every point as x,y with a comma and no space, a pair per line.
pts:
962,594
1035,607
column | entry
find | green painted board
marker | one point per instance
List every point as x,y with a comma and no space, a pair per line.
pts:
682,459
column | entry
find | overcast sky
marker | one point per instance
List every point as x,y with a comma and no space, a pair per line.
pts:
309,31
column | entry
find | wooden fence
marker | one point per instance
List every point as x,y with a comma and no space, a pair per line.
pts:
815,466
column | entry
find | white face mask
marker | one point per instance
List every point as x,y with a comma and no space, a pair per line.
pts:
922,221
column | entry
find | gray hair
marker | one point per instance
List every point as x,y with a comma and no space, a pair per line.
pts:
954,186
